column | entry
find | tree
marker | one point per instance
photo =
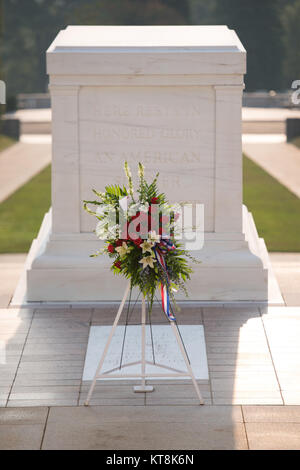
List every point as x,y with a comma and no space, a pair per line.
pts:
31,26
202,11
259,27
291,20
130,12
1,43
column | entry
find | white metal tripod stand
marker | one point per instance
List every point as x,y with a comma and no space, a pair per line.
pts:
143,375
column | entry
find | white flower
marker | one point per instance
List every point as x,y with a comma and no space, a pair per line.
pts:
122,250
148,261
101,210
101,230
146,246
113,231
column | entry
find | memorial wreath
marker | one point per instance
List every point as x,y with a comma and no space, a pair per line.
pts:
139,229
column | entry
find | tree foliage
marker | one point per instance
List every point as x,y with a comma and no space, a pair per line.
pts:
291,21
259,28
130,12
31,26
267,28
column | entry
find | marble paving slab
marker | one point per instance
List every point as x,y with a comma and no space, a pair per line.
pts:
165,349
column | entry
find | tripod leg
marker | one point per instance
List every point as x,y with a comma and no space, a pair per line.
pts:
187,363
143,342
111,334
143,387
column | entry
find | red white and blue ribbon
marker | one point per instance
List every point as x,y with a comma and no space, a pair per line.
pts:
164,287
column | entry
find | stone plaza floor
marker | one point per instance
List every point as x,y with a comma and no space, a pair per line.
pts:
251,396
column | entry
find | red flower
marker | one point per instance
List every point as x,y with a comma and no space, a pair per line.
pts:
111,248
154,200
118,264
138,241
119,242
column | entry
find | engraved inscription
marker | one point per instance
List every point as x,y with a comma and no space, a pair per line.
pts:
141,110
170,129
143,133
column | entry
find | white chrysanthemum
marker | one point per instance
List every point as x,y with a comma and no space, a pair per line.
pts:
106,210
113,231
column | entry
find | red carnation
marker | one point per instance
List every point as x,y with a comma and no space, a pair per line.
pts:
111,248
154,200
119,242
118,264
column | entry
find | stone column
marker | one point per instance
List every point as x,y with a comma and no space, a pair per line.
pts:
65,160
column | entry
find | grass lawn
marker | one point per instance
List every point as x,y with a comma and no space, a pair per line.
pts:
5,142
275,209
22,213
296,142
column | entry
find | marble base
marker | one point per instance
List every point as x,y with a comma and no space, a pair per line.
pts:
234,268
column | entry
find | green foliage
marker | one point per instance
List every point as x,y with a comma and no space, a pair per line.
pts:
130,12
202,11
291,38
148,191
6,142
114,192
22,213
2,107
31,26
267,28
258,25
275,209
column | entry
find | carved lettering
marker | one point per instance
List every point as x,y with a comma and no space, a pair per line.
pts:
131,133
149,156
148,111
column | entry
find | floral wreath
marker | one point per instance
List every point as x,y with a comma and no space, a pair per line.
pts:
139,232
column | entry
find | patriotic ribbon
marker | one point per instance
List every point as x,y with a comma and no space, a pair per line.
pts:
159,250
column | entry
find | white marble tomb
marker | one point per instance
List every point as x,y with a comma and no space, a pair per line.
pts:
169,96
